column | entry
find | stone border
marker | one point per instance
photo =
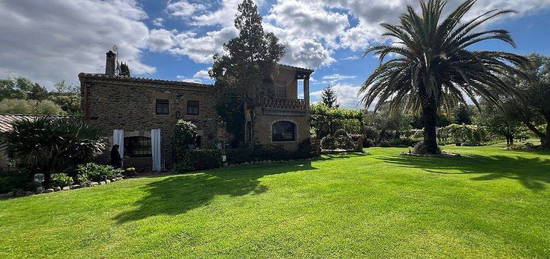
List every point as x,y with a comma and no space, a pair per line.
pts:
40,190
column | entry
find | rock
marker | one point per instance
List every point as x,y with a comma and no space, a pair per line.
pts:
66,188
56,189
94,184
107,181
29,193
75,186
102,183
39,190
49,190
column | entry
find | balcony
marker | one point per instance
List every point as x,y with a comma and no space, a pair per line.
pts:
284,104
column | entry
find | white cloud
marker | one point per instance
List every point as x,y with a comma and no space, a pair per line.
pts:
310,20
202,74
349,58
346,95
184,8
201,48
160,40
200,77
337,77
158,21
49,41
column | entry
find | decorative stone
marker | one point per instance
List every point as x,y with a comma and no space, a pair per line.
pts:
94,184
57,188
49,190
102,183
107,181
66,188
75,186
39,190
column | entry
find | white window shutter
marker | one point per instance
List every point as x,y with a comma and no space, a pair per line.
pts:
156,150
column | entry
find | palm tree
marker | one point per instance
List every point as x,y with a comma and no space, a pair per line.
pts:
432,67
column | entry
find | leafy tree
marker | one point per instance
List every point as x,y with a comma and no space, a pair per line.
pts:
18,88
19,106
63,87
48,145
67,96
462,115
329,98
326,121
534,104
249,60
501,120
38,92
433,66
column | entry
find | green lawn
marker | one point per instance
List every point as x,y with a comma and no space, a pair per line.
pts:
489,203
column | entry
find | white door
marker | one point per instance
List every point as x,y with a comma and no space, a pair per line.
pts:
118,139
155,146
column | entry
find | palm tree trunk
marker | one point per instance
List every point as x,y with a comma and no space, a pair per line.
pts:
429,117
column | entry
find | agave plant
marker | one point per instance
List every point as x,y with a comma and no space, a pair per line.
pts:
432,66
51,144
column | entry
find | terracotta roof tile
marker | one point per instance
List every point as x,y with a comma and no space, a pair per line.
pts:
139,79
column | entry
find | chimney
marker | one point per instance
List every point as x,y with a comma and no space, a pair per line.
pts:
110,63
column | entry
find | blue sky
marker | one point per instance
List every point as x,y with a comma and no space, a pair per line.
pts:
54,40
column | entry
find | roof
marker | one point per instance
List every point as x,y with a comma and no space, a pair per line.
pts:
7,119
301,69
139,80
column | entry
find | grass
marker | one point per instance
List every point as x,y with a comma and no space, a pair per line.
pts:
488,203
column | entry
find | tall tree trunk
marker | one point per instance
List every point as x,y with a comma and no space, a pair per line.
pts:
429,117
546,141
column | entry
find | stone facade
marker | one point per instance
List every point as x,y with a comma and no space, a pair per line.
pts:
111,102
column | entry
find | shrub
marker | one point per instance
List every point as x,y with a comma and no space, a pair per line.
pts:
185,133
421,149
92,172
192,160
401,142
20,106
47,144
61,179
305,149
367,143
328,142
240,155
130,171
15,180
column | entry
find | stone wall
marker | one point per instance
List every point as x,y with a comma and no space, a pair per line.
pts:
130,104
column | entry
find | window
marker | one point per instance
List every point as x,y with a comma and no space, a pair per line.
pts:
163,107
283,131
137,146
193,107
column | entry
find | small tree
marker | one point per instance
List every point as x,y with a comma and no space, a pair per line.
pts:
329,98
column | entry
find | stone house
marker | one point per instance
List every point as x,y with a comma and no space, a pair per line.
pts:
140,114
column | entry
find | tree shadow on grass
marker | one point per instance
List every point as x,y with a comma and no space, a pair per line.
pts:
341,155
533,173
181,193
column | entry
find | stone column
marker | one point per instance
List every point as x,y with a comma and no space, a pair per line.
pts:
306,91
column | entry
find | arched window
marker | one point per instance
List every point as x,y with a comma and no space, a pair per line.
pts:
283,131
137,146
